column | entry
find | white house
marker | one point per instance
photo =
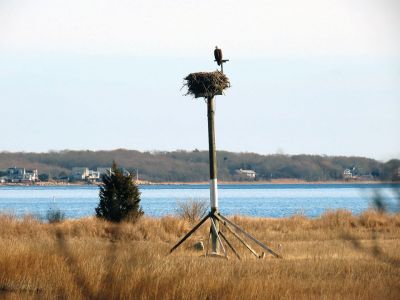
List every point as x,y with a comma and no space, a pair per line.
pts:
347,174
93,175
32,175
247,173
15,174
80,173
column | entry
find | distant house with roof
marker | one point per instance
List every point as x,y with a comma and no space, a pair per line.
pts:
15,174
85,174
79,173
347,174
247,173
93,176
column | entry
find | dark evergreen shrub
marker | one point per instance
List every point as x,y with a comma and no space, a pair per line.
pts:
119,197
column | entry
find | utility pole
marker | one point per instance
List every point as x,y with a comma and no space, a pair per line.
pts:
213,173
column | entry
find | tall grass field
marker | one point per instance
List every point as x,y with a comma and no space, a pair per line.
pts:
336,256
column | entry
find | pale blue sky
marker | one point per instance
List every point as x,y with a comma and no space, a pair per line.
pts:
320,77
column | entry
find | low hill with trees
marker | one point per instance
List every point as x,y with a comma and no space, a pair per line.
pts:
190,166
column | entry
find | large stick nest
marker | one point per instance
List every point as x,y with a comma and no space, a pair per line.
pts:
206,84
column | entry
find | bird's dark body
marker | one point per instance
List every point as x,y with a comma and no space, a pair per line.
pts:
218,56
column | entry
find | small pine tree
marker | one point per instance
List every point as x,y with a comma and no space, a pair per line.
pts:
119,197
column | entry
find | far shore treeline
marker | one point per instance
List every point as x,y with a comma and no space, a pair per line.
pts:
191,166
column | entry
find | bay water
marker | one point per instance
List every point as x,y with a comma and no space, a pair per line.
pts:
258,200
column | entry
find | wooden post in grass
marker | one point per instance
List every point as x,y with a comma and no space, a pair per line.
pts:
213,172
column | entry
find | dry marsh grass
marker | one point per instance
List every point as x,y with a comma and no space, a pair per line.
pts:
338,256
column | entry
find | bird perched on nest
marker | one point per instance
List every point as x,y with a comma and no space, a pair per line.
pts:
218,55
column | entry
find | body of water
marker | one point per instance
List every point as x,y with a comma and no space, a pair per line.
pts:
269,200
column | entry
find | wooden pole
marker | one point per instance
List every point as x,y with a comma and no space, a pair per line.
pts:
213,227
213,173
249,236
240,239
190,232
230,245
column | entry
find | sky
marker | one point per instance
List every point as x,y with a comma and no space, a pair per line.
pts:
308,77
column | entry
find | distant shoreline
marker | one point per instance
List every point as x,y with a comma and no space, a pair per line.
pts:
271,182
274,181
